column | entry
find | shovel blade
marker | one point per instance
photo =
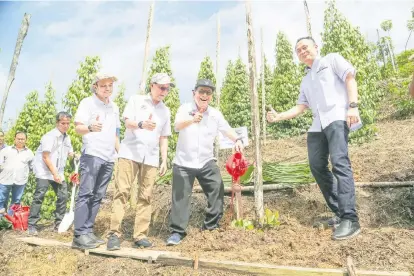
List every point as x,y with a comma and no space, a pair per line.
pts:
66,222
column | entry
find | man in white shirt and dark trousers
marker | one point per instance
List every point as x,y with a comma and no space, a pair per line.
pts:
97,120
49,168
15,164
148,126
329,89
198,125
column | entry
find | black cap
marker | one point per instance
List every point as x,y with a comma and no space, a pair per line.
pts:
205,83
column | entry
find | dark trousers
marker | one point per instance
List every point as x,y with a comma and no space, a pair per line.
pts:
61,191
210,181
95,174
339,193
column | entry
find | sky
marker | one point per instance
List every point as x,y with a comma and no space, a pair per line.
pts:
62,34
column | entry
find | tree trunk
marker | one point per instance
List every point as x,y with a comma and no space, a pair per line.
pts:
147,46
263,91
381,48
258,177
391,56
308,19
22,34
406,44
217,146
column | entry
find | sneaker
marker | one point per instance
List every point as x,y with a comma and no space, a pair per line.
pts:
347,229
96,239
113,243
142,243
32,231
174,239
84,242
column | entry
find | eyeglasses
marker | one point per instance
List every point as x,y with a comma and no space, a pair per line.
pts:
163,88
205,91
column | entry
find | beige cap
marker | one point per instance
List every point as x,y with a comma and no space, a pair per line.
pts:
102,76
162,78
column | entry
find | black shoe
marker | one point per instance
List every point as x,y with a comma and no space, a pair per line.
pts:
143,243
347,229
84,242
333,222
113,243
96,239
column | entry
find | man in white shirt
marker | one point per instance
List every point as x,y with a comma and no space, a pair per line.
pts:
147,121
198,125
49,168
329,89
97,120
15,164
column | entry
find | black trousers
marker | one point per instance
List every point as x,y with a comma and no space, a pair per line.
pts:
338,187
210,181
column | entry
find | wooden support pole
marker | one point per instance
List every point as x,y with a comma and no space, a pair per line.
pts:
146,52
308,19
263,90
258,172
350,267
22,34
217,145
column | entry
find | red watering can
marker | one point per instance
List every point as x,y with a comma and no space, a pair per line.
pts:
20,217
236,166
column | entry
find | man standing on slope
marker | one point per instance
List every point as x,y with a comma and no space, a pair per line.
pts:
330,90
97,120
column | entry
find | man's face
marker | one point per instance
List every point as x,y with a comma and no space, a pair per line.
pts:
1,137
306,50
159,91
104,88
63,124
20,140
203,96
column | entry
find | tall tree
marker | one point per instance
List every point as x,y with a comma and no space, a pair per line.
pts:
341,37
235,98
286,85
410,27
161,64
207,72
386,26
121,103
78,90
22,34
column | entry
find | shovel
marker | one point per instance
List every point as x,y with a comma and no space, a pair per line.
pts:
69,216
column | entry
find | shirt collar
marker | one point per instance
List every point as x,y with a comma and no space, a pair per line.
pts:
195,108
14,147
101,102
314,64
57,132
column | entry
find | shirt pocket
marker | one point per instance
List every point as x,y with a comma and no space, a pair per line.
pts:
327,85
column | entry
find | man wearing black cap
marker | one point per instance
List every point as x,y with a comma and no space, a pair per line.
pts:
198,125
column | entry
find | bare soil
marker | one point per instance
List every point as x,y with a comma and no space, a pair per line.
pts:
386,217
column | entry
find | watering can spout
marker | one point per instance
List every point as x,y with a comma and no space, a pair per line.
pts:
10,218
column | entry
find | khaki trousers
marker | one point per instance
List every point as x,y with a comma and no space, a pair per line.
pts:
127,172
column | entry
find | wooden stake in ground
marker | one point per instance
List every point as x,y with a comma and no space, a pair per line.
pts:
308,19
350,267
258,174
217,146
263,90
147,45
22,34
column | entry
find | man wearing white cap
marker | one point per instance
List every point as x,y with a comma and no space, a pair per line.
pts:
147,121
97,120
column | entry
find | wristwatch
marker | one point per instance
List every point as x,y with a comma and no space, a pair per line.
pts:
240,139
353,105
140,125
90,128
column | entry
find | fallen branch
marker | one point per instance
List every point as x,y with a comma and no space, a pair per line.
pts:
283,186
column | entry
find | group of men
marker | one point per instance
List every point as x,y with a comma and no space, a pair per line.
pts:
329,89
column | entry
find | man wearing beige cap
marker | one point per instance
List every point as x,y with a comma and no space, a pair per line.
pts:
97,120
147,121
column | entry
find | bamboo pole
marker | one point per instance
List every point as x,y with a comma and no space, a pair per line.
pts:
146,51
308,19
217,145
258,174
263,91
22,34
